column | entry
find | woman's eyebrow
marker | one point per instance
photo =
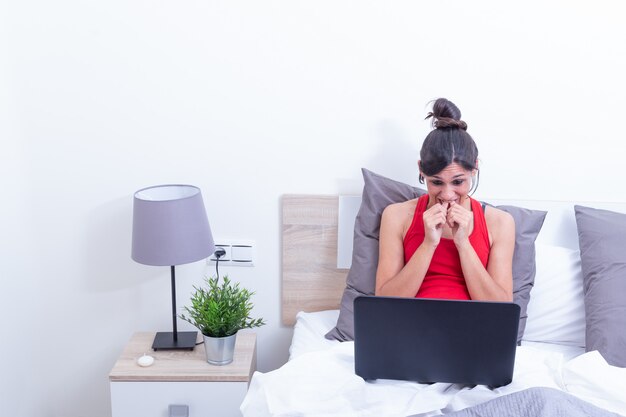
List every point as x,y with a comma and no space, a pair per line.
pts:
455,177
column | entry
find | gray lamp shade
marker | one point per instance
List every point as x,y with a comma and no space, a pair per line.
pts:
170,226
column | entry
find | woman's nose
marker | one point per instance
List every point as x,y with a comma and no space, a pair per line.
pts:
447,193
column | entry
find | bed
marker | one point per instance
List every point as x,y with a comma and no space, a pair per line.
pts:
571,358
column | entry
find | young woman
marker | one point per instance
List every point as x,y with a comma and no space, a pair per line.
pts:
446,244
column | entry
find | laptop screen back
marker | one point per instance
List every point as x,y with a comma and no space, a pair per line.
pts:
427,340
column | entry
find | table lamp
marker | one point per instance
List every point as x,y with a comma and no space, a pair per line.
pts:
170,227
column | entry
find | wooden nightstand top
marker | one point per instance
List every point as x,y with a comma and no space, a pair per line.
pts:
185,366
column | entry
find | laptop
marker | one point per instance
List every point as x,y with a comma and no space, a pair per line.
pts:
430,340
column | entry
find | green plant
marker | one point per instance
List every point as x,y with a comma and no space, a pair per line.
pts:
221,310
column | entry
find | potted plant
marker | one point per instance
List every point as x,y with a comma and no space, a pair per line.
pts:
219,312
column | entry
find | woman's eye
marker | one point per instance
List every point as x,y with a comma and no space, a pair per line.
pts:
457,182
437,182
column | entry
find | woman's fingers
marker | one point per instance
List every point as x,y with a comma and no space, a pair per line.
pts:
435,216
457,214
434,220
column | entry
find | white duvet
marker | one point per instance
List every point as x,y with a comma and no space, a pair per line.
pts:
323,383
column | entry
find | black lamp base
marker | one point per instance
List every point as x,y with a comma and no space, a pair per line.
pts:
165,341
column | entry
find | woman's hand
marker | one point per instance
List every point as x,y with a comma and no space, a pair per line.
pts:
434,221
460,221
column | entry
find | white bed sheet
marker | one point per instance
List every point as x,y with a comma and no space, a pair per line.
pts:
319,380
568,352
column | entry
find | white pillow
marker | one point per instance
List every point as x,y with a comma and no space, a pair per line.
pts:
556,311
309,331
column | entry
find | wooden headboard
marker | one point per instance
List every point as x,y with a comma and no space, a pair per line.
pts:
310,278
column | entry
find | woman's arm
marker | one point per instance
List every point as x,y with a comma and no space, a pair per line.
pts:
393,277
496,282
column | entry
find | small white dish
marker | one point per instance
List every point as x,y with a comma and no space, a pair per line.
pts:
145,360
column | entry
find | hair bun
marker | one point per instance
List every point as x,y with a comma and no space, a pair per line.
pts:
449,122
446,114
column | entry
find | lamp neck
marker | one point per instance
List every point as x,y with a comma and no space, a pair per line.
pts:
174,329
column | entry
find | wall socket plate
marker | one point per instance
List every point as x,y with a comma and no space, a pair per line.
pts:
238,253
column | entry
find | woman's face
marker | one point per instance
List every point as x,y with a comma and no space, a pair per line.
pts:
453,183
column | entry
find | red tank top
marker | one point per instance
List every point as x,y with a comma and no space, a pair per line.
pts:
444,278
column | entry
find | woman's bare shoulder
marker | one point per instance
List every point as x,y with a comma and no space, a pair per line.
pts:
399,213
499,220
402,206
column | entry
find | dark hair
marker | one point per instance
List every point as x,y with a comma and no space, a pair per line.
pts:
448,142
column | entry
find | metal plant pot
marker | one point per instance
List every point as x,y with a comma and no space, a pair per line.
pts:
220,350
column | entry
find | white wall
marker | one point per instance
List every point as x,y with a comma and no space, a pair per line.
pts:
250,100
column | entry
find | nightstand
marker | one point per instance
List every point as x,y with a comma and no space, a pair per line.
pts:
180,378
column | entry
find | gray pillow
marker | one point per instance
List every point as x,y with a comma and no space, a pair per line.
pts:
378,193
527,226
602,239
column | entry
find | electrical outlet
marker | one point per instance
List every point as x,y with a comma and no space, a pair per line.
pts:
238,253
